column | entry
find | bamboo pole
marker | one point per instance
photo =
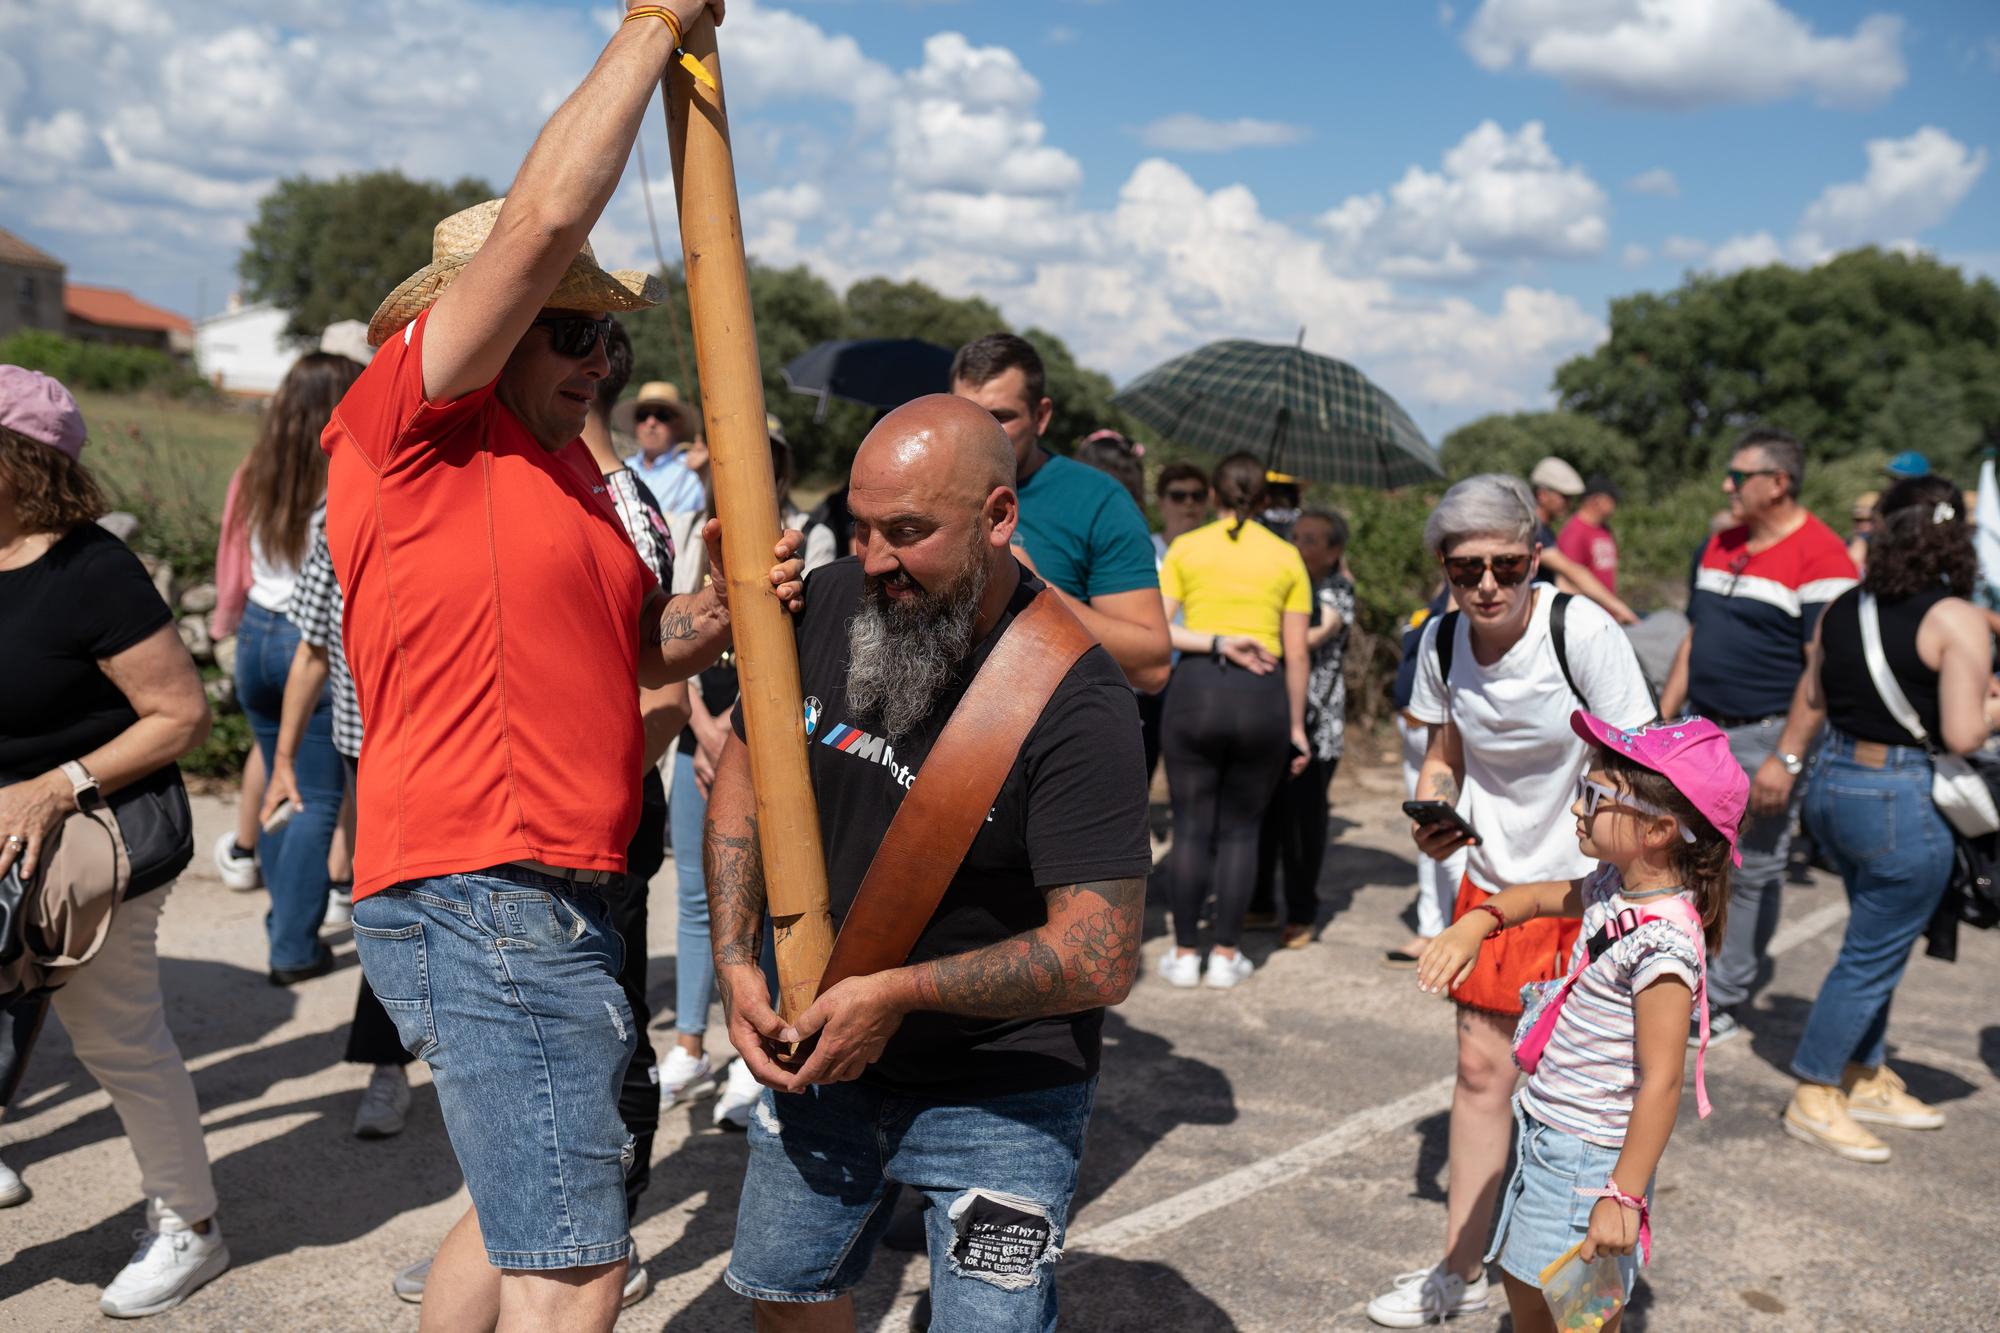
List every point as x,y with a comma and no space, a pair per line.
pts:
739,450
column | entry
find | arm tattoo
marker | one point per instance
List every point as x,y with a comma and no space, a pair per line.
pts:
1084,958
734,868
1444,787
676,623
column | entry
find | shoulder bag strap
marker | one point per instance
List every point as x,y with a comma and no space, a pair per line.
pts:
960,779
1558,624
1447,647
1879,671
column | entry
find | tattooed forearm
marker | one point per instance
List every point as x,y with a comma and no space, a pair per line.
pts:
1444,787
734,867
677,623
1084,958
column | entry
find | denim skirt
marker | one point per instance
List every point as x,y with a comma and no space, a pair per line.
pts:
1541,1213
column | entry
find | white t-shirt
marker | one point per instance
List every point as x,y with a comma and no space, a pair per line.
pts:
1523,763
271,579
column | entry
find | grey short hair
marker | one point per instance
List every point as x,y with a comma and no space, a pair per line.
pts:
1782,447
1491,504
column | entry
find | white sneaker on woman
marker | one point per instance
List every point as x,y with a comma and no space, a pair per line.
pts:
1428,1296
13,1189
1224,973
684,1076
237,872
1181,969
740,1092
164,1271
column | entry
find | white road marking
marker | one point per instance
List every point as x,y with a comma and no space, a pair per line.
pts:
1791,935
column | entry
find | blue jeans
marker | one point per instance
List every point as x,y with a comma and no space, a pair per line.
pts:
825,1168
694,963
294,858
505,982
1754,888
1894,851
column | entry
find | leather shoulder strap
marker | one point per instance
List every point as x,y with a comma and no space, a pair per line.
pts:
961,777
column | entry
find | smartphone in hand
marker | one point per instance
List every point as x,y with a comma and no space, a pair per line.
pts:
1439,812
281,815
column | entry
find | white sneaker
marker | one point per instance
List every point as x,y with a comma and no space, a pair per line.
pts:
339,906
684,1077
1225,973
13,1189
636,1281
384,1103
164,1271
740,1092
1428,1297
1180,969
408,1284
237,872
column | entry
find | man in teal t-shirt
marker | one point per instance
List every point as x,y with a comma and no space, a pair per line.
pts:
1079,529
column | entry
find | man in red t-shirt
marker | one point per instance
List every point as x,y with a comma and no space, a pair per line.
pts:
499,626
1587,537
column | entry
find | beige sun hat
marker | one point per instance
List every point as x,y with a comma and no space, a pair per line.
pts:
457,239
657,393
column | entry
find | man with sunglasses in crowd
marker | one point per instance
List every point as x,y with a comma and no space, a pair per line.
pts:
499,625
1758,590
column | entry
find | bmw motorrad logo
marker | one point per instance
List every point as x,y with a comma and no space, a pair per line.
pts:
812,715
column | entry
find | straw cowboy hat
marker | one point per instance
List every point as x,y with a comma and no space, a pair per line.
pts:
656,393
457,239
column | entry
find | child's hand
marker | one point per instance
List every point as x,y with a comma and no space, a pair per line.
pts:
1614,1229
1448,961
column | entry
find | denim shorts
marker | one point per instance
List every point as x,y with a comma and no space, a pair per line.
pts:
1541,1213
505,982
826,1166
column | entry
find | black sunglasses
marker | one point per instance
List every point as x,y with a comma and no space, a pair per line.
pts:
655,414
575,335
1469,571
1179,496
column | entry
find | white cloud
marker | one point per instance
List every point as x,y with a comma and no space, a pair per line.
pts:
1752,251
1635,256
1912,184
1687,53
1658,181
1499,196
1188,133
1683,248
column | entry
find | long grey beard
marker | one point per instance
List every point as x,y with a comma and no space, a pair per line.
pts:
902,655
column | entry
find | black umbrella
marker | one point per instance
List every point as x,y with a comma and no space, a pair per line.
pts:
875,372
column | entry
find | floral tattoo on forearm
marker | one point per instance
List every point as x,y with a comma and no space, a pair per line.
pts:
734,868
1084,958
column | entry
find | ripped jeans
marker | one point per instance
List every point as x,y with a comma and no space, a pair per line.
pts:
826,1166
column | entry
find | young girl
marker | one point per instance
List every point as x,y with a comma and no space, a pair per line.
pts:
1659,810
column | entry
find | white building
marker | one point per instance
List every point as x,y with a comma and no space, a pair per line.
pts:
243,350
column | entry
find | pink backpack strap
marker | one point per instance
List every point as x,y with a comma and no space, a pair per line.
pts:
1688,919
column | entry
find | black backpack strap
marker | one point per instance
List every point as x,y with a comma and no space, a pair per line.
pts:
1558,620
1447,644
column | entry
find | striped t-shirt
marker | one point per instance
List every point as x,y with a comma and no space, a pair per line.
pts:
1584,1083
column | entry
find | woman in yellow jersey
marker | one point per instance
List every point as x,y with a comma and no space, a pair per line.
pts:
1235,713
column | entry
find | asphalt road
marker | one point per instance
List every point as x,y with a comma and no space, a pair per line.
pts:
1261,1160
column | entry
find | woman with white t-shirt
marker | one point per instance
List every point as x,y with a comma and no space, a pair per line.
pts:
1501,751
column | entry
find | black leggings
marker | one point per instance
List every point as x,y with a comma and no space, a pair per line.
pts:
1295,827
1226,739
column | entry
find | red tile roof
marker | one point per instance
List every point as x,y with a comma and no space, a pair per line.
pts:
118,309
14,250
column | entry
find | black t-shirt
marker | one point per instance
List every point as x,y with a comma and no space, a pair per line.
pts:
1072,811
87,599
1852,703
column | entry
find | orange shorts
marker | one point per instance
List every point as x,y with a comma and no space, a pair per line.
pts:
1511,958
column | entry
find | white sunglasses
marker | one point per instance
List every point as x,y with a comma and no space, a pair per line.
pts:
1596,794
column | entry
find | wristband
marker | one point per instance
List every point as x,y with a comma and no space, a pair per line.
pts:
1493,912
1636,1204
688,62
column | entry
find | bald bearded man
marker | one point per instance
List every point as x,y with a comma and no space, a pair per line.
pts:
967,1074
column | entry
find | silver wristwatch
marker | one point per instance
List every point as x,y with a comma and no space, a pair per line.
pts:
83,785
1793,764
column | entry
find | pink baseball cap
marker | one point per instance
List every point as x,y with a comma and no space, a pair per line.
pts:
1692,753
39,408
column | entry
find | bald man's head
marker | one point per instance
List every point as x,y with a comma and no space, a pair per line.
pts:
943,435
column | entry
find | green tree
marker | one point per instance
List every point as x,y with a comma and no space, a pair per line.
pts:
1823,352
1082,397
1516,443
329,250
881,308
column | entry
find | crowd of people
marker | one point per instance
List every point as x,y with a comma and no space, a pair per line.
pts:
485,648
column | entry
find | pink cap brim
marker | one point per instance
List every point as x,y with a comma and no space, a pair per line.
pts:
1597,731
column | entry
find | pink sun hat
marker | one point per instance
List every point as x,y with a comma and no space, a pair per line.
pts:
40,409
1693,754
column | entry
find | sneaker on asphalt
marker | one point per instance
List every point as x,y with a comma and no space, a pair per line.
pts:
739,1097
164,1271
408,1284
1224,973
1818,1115
13,1190
684,1076
1881,1098
1722,1026
1428,1297
237,872
1180,969
636,1282
340,906
384,1103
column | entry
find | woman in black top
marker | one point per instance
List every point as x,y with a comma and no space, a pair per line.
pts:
1869,806
99,694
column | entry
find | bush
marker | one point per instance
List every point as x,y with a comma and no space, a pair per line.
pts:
101,366
227,748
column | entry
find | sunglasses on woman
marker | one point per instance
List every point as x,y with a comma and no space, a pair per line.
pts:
575,335
1182,497
1469,571
1596,796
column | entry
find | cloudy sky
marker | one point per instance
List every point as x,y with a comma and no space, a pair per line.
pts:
1446,194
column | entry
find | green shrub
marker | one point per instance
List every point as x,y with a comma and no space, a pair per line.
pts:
225,751
101,366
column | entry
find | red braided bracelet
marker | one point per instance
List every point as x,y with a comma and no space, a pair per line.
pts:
1493,911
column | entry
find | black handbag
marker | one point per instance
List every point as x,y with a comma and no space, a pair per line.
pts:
158,827
13,895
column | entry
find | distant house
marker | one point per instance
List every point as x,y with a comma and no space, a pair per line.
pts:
243,349
109,315
31,287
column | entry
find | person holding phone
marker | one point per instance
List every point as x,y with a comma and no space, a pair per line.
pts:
1235,724
1502,754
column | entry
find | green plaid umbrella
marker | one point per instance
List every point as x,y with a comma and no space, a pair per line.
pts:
1304,414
